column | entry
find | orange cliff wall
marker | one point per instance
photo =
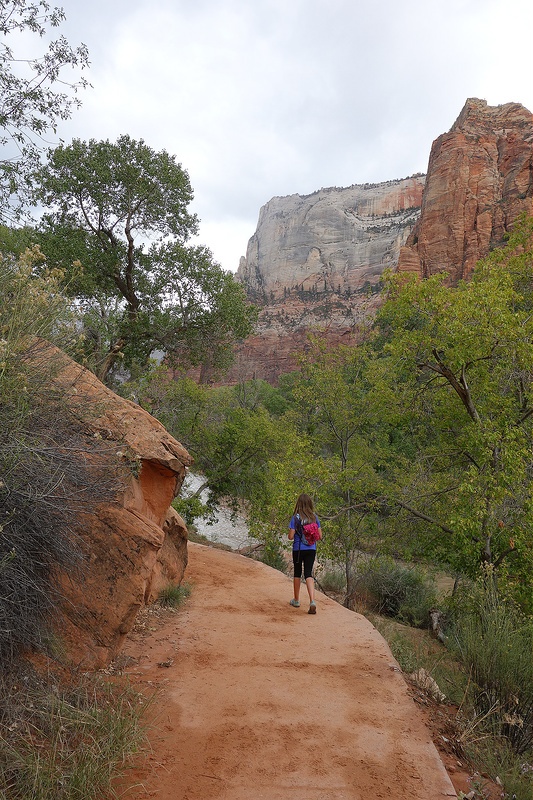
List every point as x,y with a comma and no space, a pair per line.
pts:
480,178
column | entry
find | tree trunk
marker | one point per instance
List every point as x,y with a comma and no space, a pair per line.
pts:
109,360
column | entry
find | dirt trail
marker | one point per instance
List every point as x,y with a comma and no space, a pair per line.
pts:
262,700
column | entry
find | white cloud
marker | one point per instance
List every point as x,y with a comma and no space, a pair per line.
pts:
272,97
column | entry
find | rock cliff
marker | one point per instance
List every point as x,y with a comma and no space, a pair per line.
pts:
135,545
480,178
335,240
315,262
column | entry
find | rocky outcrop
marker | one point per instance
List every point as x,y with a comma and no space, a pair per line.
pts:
334,240
315,263
138,543
480,178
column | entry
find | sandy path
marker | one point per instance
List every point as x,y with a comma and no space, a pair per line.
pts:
265,701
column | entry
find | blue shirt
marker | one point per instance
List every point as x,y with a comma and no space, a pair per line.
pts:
297,544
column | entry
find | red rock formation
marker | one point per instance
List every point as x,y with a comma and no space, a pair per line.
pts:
480,178
134,546
315,263
284,327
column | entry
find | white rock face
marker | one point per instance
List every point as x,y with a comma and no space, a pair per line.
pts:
334,240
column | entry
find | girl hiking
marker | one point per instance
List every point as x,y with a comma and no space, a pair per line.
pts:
304,531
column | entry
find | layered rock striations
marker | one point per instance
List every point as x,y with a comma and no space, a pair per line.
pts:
334,240
315,262
479,179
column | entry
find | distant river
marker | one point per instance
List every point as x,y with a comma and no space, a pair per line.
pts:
224,531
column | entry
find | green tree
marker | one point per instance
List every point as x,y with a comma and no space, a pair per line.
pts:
34,93
119,211
231,443
460,362
336,454
419,440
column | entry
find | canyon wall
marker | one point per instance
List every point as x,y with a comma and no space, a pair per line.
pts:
315,261
334,240
480,178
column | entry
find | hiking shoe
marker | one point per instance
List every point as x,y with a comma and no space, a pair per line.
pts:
312,608
295,603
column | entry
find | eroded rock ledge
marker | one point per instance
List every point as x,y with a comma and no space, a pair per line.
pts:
135,545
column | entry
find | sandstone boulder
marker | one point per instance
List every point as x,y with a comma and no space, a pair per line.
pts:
135,545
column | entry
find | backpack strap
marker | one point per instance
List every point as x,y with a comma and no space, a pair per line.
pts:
299,531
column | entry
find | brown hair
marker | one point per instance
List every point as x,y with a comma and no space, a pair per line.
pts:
304,508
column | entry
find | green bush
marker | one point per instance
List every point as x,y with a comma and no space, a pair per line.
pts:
478,740
332,580
398,590
172,595
272,556
495,643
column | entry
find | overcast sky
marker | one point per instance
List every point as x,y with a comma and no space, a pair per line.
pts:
259,98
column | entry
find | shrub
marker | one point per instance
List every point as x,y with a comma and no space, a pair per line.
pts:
495,643
398,590
272,556
51,468
332,580
172,595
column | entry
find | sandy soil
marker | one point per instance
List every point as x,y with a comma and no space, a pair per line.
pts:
261,700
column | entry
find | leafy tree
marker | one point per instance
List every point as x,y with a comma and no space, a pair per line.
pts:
230,442
34,93
460,362
15,241
119,211
337,454
255,393
420,439
343,499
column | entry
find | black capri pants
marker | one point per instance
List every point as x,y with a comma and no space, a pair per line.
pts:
305,558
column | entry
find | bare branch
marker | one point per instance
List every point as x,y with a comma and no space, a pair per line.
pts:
460,386
420,515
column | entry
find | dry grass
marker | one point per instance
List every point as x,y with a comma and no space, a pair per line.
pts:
66,738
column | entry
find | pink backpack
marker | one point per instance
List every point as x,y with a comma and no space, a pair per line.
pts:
310,531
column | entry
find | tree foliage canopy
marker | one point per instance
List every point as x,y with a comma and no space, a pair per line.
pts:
418,441
119,213
34,92
461,362
231,439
